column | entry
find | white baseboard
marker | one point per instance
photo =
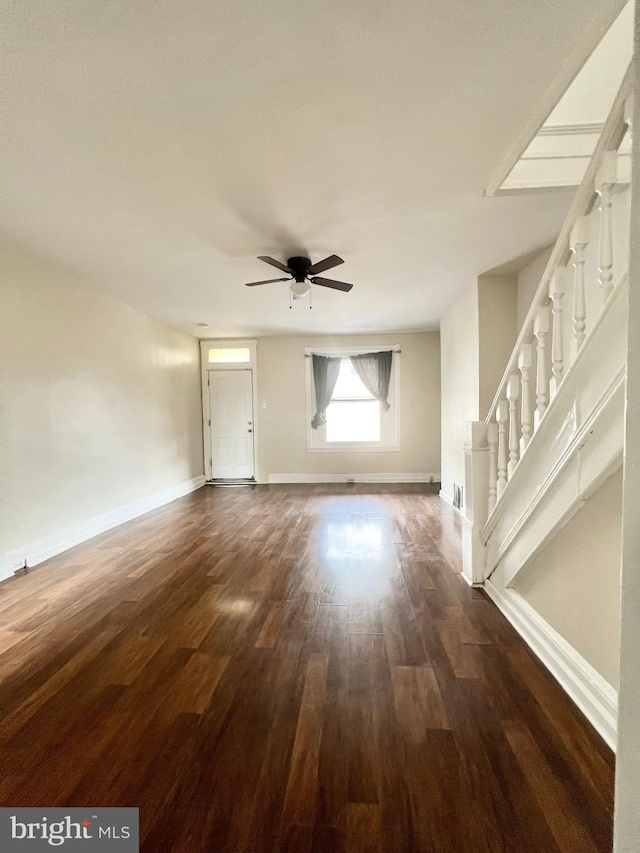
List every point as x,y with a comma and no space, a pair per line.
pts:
55,543
355,478
595,697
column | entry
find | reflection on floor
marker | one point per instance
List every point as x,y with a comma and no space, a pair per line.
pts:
292,668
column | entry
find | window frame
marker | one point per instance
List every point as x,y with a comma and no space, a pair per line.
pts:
389,421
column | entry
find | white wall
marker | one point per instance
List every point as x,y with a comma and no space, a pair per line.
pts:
497,332
282,425
529,279
477,335
459,348
574,583
100,404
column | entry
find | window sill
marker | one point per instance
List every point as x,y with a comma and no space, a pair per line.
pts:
355,448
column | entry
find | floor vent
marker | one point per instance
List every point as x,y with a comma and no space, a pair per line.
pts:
457,495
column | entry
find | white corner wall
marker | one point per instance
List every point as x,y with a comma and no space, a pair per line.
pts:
497,332
529,279
459,363
101,412
282,423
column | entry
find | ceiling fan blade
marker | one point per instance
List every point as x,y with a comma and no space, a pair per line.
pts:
329,282
274,263
266,281
327,264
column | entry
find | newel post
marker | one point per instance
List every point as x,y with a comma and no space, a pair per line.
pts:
476,501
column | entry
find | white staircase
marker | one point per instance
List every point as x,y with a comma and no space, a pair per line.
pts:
554,432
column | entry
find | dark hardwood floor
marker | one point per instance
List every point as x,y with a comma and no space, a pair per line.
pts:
292,669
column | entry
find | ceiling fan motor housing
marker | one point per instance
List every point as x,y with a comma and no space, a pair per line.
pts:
299,266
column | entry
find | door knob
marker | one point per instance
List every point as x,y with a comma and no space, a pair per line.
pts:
249,430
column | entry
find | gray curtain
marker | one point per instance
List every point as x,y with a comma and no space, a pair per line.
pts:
325,376
374,370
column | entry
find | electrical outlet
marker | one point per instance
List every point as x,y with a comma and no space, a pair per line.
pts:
20,567
350,480
431,479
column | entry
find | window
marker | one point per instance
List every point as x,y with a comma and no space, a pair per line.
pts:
355,420
354,415
229,355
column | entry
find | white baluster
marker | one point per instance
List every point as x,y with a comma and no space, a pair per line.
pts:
628,111
541,330
526,425
502,414
557,288
579,243
492,439
513,392
605,181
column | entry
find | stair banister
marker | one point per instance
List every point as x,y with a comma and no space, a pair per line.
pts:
583,203
540,365
544,323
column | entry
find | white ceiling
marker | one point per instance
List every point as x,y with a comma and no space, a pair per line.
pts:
157,148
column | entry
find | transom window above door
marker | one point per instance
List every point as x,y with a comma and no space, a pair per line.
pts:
229,355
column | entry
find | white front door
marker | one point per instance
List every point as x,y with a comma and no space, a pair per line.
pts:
231,412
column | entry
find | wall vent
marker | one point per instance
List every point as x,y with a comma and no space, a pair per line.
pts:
457,495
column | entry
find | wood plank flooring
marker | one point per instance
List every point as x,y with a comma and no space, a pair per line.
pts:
292,668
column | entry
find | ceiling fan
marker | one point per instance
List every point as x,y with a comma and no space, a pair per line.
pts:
301,271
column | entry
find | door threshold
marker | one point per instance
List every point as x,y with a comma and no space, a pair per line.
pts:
232,481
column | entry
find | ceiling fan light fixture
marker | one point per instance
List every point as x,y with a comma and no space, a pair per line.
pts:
300,289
